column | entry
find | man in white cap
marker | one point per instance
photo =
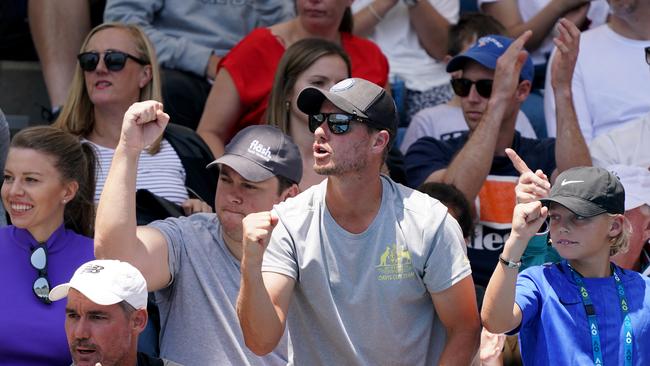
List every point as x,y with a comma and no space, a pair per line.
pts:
375,272
192,263
105,313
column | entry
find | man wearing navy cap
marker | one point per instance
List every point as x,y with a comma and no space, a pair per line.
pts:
193,263
496,75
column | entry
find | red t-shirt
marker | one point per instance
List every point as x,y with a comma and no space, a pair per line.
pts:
253,61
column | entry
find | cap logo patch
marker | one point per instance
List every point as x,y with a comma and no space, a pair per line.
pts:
565,182
260,150
342,85
93,268
483,41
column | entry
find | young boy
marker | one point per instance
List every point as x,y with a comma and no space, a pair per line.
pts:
585,309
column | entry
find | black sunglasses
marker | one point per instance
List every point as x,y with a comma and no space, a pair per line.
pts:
114,60
647,55
41,285
462,87
338,123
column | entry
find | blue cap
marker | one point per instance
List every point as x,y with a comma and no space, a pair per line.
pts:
486,51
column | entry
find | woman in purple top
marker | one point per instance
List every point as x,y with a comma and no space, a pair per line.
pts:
48,188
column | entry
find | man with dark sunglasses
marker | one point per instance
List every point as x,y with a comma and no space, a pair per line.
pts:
375,272
193,263
475,162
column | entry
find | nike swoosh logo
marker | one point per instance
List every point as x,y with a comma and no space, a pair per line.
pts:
565,182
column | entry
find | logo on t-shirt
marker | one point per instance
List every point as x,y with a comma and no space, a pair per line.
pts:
395,264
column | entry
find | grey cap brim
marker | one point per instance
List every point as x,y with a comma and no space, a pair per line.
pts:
310,100
576,205
247,168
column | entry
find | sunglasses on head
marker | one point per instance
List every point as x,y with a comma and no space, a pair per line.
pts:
114,60
338,123
463,86
647,55
41,285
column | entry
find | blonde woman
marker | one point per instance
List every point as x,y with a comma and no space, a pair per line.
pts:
117,67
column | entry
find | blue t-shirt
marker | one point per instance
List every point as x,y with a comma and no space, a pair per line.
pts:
495,202
554,328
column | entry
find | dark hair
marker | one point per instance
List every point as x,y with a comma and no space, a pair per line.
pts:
471,26
296,59
75,161
283,184
347,22
455,200
127,308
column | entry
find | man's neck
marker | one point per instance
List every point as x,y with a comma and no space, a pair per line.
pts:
632,26
234,246
354,200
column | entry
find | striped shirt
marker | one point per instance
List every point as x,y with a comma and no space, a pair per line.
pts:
162,174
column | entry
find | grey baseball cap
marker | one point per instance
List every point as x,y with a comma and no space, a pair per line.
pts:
260,152
354,96
588,191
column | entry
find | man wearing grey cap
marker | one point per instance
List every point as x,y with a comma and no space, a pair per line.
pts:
105,313
375,272
193,263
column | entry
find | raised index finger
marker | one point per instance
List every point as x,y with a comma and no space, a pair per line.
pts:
518,162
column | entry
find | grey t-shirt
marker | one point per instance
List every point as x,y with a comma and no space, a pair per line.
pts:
364,299
198,318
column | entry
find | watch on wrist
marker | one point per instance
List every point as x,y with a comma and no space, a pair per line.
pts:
411,3
508,263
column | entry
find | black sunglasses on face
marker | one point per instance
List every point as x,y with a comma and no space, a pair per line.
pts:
338,123
463,86
647,55
41,285
114,60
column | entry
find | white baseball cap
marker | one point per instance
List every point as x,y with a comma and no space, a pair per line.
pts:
636,181
106,282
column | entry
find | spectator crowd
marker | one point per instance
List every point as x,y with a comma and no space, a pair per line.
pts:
330,182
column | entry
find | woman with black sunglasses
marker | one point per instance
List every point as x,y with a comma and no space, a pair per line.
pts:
117,67
49,182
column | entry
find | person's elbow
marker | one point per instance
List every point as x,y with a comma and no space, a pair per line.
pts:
260,346
100,246
492,324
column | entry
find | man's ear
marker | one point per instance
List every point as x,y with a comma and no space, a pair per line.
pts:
523,90
380,141
139,320
292,191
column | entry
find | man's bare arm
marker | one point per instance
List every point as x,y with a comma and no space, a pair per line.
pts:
116,233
